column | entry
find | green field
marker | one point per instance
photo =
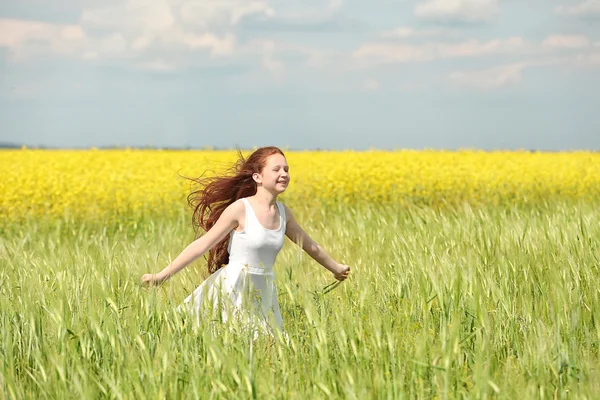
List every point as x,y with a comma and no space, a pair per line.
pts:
472,303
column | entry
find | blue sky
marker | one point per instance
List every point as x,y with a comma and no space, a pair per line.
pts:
329,74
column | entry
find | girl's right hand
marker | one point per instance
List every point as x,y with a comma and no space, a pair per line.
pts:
151,279
343,272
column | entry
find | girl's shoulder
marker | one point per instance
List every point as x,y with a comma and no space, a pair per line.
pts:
288,212
237,208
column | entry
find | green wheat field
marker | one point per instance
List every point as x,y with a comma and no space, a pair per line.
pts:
486,302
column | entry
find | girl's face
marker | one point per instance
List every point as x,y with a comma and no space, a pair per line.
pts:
275,175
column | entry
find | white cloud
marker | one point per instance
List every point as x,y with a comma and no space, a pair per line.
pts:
374,53
491,78
158,65
335,5
218,46
585,60
131,16
594,59
566,42
161,15
588,57
269,62
403,32
459,10
26,38
140,32
511,74
371,85
582,9
164,24
211,14
383,52
166,34
307,11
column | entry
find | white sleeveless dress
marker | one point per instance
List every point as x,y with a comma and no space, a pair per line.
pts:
246,285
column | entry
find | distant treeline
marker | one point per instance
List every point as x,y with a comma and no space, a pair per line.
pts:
215,148
182,148
10,146
42,147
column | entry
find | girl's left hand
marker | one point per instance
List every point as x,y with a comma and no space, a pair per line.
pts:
342,273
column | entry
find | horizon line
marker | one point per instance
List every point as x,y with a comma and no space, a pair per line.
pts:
15,146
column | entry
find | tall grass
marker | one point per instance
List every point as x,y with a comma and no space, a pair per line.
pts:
480,303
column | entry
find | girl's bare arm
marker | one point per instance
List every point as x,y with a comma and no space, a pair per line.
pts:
297,235
226,222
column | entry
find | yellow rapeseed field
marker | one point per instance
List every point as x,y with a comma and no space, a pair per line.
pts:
96,183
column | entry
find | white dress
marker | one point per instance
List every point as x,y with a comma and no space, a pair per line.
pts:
246,285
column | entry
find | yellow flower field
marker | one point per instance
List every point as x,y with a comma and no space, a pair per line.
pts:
95,183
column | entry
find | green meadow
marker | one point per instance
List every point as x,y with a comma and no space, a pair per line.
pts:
480,303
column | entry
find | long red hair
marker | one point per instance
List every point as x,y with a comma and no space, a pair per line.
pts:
217,192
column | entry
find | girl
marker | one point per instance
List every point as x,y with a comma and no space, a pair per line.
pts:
245,226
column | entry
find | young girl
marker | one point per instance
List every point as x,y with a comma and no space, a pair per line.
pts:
245,226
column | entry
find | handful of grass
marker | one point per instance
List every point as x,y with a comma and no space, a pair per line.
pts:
331,286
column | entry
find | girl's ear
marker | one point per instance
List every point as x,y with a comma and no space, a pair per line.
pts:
256,177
